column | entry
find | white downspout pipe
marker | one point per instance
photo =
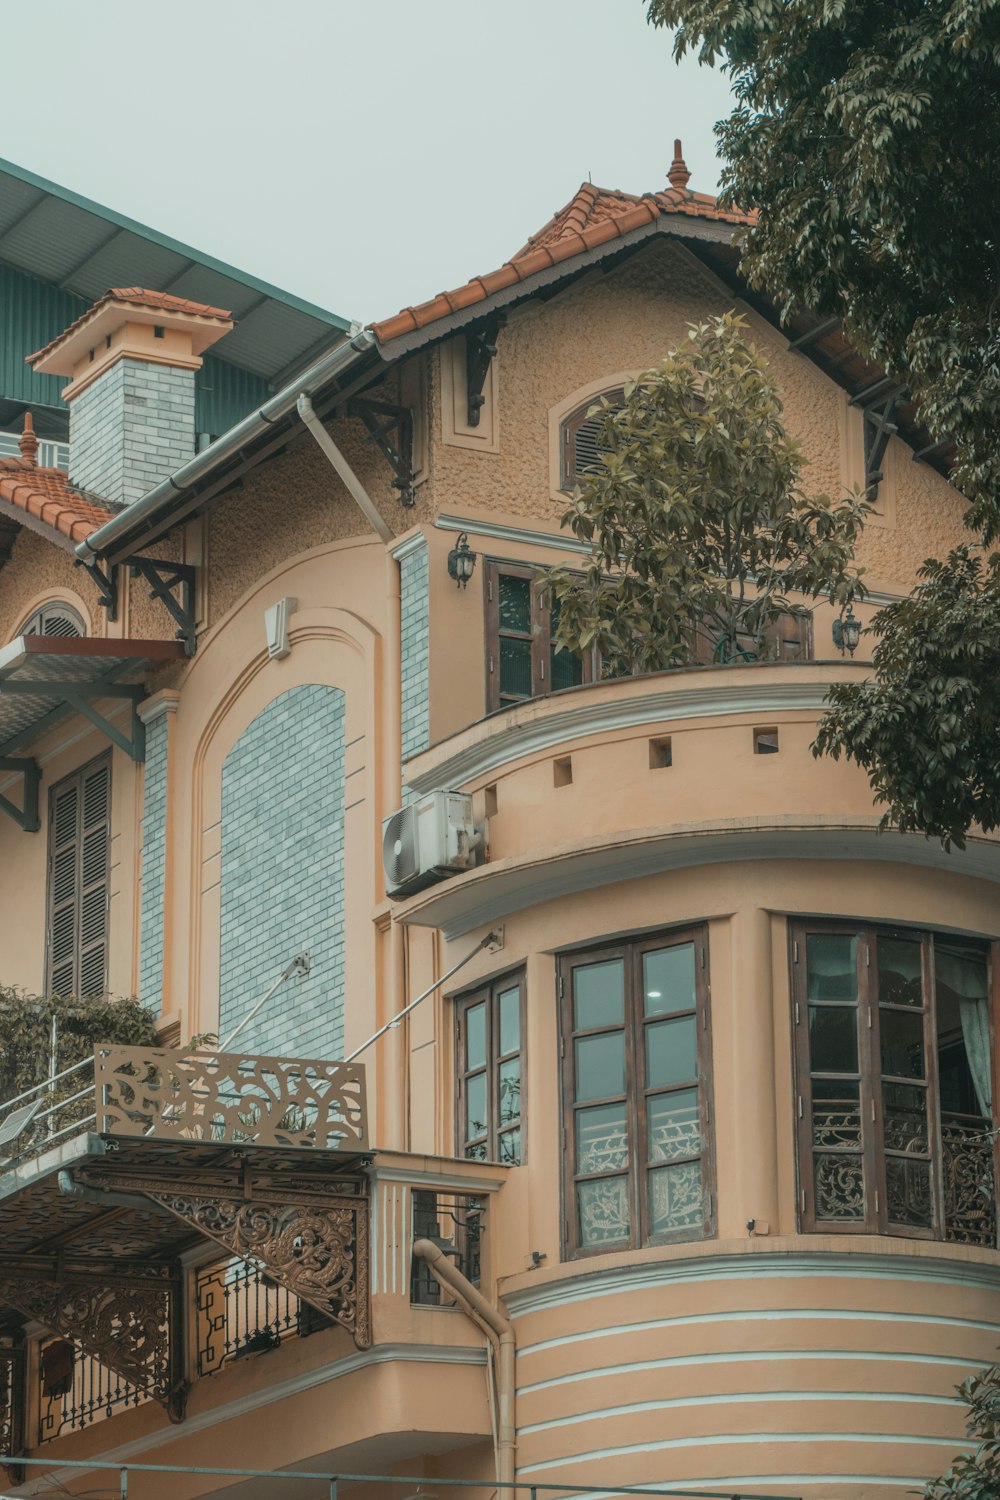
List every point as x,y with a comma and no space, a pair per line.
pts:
353,484
500,1334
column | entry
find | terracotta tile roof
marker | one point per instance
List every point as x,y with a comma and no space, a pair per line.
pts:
593,217
48,496
134,296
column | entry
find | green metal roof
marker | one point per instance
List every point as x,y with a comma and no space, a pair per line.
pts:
81,248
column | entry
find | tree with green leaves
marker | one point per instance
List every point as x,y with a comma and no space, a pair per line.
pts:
976,1475
696,517
867,137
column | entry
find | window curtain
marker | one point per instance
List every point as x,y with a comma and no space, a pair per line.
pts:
965,976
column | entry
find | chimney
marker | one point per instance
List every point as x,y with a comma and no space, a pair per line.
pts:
131,360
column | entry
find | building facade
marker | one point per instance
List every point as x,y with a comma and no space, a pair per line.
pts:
705,1111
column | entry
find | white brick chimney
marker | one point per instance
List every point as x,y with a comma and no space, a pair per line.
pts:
132,360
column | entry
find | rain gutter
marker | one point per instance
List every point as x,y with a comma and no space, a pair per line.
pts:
228,446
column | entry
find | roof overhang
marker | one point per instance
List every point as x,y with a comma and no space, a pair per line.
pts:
44,679
83,248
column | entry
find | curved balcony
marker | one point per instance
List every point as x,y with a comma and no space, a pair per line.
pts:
610,781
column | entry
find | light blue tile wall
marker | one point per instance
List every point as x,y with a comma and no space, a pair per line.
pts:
414,651
154,853
283,875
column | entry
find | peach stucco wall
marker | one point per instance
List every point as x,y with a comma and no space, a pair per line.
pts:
781,1360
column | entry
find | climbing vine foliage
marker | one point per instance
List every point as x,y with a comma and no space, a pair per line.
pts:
26,1035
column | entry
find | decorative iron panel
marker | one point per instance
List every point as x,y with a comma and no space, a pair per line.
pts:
231,1098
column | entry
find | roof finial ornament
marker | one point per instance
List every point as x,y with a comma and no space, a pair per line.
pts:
678,176
27,442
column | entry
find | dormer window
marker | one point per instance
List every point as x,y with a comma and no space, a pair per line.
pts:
581,445
57,618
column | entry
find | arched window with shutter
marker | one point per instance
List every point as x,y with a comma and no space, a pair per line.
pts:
57,618
581,446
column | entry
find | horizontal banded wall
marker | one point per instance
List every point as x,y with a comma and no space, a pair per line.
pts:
819,1374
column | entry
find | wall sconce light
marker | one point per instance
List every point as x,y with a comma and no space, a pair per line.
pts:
461,560
847,632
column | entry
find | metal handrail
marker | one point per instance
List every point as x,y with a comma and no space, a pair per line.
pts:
332,1479
46,1083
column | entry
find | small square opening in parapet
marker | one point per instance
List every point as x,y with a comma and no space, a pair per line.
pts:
562,771
660,754
765,742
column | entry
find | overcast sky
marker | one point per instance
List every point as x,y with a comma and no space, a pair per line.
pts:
364,154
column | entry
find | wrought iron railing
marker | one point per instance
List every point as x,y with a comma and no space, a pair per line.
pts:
76,1390
456,1221
241,1311
191,1096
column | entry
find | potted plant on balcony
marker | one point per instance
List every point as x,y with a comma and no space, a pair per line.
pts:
702,535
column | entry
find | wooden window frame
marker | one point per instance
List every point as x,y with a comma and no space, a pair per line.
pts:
874,1153
488,994
638,1165
540,635
59,789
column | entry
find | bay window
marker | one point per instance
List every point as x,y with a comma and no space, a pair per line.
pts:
894,1082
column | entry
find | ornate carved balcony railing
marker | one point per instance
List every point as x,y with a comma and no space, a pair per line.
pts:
230,1097
80,1391
107,1187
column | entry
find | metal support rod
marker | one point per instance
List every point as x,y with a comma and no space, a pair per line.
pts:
352,483
301,963
491,937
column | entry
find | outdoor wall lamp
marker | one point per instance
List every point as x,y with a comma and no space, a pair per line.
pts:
847,632
461,560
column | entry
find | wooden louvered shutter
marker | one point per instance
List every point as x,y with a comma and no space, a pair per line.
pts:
581,446
79,842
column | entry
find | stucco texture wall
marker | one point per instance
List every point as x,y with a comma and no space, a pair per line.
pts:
38,572
626,321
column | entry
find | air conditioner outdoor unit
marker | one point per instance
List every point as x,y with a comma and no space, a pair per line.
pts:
426,841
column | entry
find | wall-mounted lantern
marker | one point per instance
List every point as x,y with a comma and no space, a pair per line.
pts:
847,632
461,560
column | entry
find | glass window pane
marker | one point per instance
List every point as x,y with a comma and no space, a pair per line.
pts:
831,960
475,1106
600,1066
603,1210
674,1125
475,1036
963,1030
515,669
671,1052
510,1147
476,1152
899,981
515,603
908,1188
675,1200
902,1035
833,1038
601,1139
668,979
565,669
905,1112
599,995
509,1002
838,1182
509,1091
836,1113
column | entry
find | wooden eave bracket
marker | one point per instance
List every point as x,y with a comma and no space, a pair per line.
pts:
163,578
390,428
26,816
480,351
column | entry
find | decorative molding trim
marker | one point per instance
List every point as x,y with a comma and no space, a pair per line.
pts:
407,547
522,535
167,701
591,1285
480,897
575,714
449,1180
